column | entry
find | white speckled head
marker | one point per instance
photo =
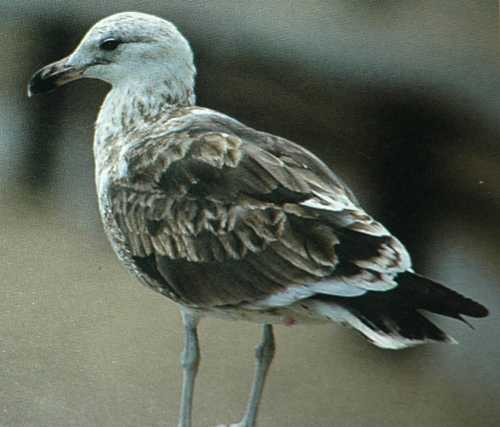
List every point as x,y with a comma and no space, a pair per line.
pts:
133,47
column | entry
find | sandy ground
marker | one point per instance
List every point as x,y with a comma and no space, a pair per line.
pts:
81,344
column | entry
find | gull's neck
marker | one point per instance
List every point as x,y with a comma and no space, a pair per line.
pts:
130,106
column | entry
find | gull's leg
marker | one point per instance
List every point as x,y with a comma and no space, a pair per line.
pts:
190,360
264,354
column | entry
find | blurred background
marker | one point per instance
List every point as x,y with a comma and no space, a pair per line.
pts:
401,98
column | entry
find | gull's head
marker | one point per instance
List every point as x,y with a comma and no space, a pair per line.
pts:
128,48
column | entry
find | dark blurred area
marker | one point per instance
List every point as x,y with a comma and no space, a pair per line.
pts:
400,98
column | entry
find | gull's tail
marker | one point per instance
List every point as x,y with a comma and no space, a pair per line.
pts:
392,319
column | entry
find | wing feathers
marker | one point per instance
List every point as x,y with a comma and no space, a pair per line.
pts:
389,329
220,201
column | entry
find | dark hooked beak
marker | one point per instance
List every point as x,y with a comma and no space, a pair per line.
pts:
52,76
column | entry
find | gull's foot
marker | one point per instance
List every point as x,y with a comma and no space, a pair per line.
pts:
240,424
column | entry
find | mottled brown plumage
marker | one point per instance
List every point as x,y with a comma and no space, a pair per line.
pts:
206,196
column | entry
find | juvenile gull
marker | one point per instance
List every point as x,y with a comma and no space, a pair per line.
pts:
229,221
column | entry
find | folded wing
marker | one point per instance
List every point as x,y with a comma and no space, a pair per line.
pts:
221,214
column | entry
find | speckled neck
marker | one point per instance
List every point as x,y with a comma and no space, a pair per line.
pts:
132,107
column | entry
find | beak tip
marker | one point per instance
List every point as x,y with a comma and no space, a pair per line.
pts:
35,86
51,77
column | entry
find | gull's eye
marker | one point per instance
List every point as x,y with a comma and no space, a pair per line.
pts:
109,44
